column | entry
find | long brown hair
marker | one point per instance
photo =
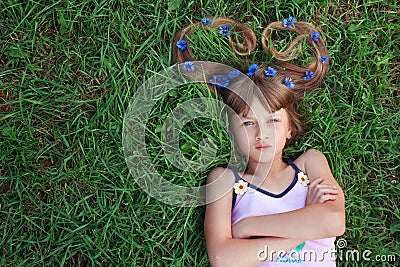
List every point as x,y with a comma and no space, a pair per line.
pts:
276,93
241,30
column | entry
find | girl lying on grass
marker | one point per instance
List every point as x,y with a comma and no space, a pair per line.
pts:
278,212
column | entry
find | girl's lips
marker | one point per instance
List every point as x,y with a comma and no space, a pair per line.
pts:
263,147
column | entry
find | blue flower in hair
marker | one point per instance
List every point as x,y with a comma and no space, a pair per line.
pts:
252,69
233,74
324,59
181,44
270,72
224,30
206,21
292,20
309,75
188,66
288,82
315,36
287,23
220,81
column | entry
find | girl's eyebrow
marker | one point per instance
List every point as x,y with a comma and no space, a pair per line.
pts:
269,115
247,117
277,113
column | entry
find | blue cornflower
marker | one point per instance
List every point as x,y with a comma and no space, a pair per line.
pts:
315,36
206,21
292,20
233,74
270,72
252,69
287,23
224,30
181,44
309,75
188,66
288,82
324,59
220,81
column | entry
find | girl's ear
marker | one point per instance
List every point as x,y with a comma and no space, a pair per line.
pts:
289,134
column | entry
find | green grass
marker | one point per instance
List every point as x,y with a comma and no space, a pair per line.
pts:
68,70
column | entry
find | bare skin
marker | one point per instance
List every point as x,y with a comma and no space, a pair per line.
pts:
323,216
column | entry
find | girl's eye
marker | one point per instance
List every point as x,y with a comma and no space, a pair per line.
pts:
248,123
273,120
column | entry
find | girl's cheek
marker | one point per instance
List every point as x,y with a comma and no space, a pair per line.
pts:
250,132
243,138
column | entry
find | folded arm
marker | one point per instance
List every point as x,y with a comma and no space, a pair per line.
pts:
222,248
316,221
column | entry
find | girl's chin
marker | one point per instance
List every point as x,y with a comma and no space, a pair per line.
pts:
267,156
263,158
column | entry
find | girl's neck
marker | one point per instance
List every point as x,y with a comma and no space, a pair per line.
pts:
268,169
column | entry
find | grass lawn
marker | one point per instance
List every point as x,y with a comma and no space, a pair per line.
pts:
68,70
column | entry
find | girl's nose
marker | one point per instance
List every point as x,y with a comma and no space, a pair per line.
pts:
262,134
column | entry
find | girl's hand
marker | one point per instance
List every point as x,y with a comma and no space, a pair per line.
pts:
320,193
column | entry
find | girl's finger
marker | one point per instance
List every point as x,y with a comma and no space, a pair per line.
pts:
326,197
325,186
321,188
317,181
323,193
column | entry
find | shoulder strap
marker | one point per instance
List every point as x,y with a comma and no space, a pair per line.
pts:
294,166
236,173
237,178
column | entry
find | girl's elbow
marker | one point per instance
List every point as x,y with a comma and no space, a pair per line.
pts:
213,260
221,258
336,223
341,228
217,260
215,256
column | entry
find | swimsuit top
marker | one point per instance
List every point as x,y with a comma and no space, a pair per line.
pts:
256,202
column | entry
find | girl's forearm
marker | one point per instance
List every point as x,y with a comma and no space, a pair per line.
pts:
249,252
310,222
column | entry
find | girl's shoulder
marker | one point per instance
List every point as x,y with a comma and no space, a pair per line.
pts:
220,181
220,172
309,158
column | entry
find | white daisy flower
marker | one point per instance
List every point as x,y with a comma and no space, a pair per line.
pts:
303,179
240,187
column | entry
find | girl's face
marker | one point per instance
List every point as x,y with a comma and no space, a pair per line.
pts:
259,134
